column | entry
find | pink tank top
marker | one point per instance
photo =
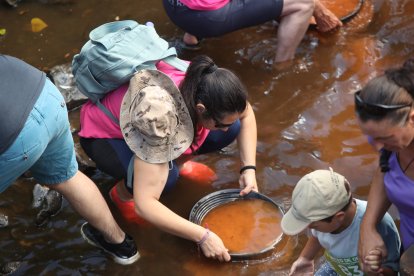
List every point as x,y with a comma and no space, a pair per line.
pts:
96,124
205,5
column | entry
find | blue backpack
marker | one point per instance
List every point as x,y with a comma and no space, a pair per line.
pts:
114,53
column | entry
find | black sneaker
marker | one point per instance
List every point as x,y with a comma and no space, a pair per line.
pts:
122,253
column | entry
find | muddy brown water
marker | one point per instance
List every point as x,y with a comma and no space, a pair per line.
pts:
304,115
245,226
343,9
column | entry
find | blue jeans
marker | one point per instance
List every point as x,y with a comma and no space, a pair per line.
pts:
112,156
236,15
44,145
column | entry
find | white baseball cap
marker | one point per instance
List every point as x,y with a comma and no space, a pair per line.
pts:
317,195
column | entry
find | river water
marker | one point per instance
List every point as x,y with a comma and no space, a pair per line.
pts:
304,114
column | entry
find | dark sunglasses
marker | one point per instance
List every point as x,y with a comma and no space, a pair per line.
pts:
376,109
219,124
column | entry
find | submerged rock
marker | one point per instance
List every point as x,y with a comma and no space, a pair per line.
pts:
51,207
63,79
9,267
4,221
50,202
13,3
39,193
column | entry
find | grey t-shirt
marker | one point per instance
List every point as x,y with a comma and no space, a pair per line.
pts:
20,87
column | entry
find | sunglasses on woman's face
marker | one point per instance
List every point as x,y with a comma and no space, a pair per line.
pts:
219,124
376,109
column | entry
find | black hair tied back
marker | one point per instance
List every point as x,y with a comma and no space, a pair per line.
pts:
383,160
210,69
404,76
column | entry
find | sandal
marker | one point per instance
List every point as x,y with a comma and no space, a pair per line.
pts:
180,45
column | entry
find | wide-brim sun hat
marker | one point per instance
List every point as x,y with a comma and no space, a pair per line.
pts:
154,118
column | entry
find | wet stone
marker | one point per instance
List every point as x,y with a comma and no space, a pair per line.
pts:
4,221
39,193
51,207
63,78
9,268
12,3
50,202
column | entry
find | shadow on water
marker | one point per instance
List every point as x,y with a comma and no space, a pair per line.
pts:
304,114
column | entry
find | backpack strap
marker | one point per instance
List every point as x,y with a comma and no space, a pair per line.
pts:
176,62
107,112
130,172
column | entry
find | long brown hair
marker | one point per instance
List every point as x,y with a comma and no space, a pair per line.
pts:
218,89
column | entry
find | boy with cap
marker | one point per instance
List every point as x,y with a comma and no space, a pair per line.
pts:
322,201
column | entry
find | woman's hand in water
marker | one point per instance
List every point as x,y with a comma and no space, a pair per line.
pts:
213,247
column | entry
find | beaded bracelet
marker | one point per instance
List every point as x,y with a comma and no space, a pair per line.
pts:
204,238
247,168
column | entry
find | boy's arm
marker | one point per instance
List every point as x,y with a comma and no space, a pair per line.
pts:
304,264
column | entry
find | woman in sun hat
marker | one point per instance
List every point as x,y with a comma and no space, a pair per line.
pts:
162,126
384,109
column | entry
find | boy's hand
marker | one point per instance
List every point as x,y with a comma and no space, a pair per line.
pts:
302,266
374,260
369,241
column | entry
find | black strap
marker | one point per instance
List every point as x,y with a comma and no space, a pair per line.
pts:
130,172
107,112
250,167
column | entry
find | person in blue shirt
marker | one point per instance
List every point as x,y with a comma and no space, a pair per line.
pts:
35,135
